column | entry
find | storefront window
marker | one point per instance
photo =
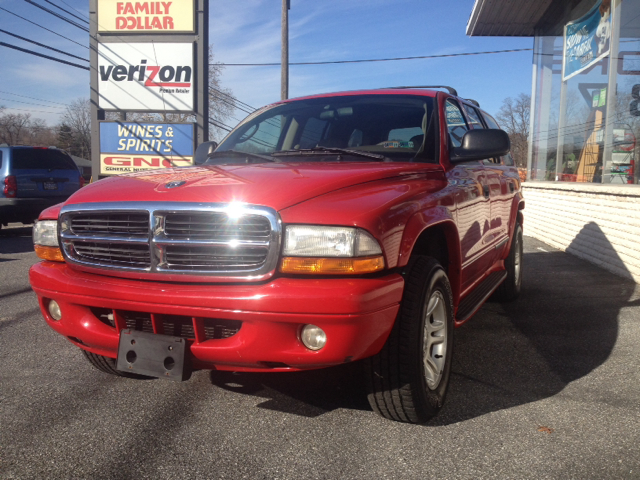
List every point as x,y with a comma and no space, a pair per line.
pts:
625,166
586,87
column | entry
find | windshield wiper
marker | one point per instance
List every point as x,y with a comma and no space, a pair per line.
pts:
324,150
219,153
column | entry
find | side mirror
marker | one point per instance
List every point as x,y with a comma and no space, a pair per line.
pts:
481,144
203,151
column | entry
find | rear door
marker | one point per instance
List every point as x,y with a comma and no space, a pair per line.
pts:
498,192
44,172
509,183
472,201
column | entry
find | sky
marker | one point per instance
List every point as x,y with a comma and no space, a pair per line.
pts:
249,31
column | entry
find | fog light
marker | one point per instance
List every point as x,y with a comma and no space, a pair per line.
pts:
313,337
54,310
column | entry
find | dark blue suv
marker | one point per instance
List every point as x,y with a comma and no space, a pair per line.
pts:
32,179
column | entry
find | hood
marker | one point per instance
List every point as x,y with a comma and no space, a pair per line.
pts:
277,185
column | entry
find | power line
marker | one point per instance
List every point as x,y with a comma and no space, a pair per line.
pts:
218,125
71,6
66,11
30,103
61,17
30,110
3,44
43,45
394,59
235,99
33,98
44,28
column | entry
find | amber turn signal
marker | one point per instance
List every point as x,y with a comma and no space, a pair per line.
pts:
49,253
331,266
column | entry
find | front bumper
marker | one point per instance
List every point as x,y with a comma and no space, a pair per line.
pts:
357,315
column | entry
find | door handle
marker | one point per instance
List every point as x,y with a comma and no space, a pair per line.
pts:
485,190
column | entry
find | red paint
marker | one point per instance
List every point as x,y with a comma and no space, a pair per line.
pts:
472,206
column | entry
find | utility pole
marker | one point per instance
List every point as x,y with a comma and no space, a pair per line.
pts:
284,76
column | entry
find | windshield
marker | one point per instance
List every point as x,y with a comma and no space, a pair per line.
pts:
395,127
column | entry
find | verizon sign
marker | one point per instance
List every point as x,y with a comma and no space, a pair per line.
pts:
157,77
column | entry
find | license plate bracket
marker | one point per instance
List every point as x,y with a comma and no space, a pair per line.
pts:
153,355
50,185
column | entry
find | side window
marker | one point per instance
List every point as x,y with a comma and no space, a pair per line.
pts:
491,122
456,123
0,159
474,116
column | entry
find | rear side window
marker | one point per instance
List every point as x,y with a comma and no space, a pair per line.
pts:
491,121
474,116
456,123
37,158
0,159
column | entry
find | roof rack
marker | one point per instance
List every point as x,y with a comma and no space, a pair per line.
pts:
475,102
451,90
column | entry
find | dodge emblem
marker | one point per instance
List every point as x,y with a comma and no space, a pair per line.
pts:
175,184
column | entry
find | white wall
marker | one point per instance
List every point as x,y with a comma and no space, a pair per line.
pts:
599,223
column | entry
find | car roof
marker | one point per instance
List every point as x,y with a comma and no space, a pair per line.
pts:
378,91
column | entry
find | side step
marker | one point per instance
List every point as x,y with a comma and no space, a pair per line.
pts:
477,297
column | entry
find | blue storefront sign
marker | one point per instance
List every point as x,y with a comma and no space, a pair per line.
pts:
586,40
161,139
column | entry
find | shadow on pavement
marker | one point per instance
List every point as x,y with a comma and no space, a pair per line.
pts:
563,326
15,240
308,394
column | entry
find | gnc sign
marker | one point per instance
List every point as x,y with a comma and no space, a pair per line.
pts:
111,164
118,16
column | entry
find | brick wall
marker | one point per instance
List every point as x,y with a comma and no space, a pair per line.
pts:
599,223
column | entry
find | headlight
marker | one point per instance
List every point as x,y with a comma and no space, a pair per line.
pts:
330,251
45,233
318,241
45,240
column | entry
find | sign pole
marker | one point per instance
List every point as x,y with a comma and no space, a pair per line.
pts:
96,113
284,74
202,72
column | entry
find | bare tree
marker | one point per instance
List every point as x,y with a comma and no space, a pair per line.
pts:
513,117
222,103
77,117
13,127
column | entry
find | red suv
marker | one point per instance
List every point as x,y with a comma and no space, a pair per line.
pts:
322,230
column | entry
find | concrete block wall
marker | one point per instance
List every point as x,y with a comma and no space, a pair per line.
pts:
599,223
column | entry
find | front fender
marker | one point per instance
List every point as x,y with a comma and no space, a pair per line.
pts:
422,224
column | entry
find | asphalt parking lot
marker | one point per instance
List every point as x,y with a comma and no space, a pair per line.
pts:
544,387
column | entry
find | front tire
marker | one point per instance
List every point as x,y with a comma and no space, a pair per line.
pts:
408,379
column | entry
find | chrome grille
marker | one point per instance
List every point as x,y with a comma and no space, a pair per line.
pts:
217,226
130,224
215,258
190,239
113,253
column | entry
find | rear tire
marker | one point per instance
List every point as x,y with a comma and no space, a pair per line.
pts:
510,288
408,379
108,365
